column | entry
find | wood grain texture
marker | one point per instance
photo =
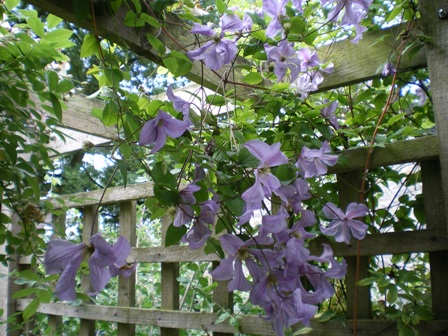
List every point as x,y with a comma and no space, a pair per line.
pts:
353,64
437,54
435,219
90,227
169,285
205,321
357,297
357,63
111,195
126,287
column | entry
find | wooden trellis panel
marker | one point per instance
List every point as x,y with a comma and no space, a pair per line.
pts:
365,61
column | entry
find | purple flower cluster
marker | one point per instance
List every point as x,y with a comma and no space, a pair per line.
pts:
105,262
155,131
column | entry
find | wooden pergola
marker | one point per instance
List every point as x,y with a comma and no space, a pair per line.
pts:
353,64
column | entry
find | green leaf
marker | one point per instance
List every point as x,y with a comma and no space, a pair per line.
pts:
156,43
253,78
57,108
297,25
174,235
392,293
10,4
220,6
150,20
222,317
166,196
110,114
31,309
367,281
58,35
177,63
64,86
216,100
163,177
24,292
89,46
53,21
36,25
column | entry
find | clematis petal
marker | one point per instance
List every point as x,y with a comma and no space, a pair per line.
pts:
104,254
231,23
65,287
149,133
99,277
59,253
239,282
355,210
224,271
202,29
230,244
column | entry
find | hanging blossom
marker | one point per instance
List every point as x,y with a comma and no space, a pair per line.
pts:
328,112
276,10
282,58
180,105
265,181
315,162
219,51
155,131
343,225
105,262
354,12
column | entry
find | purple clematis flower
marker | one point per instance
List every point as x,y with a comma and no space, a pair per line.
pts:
328,112
231,268
105,262
265,181
185,213
309,59
314,162
180,105
275,9
155,130
354,11
284,57
343,225
199,232
218,51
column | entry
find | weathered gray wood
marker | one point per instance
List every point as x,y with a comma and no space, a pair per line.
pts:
126,287
77,116
205,321
352,64
420,149
111,195
437,54
170,285
358,298
73,141
357,63
435,219
90,227
223,300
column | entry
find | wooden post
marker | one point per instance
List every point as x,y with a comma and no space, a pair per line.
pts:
349,191
89,228
170,285
435,219
55,321
223,298
437,54
126,287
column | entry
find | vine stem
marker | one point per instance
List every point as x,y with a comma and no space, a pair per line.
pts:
392,95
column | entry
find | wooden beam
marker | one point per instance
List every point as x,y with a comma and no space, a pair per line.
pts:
416,150
206,321
437,53
353,64
358,63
